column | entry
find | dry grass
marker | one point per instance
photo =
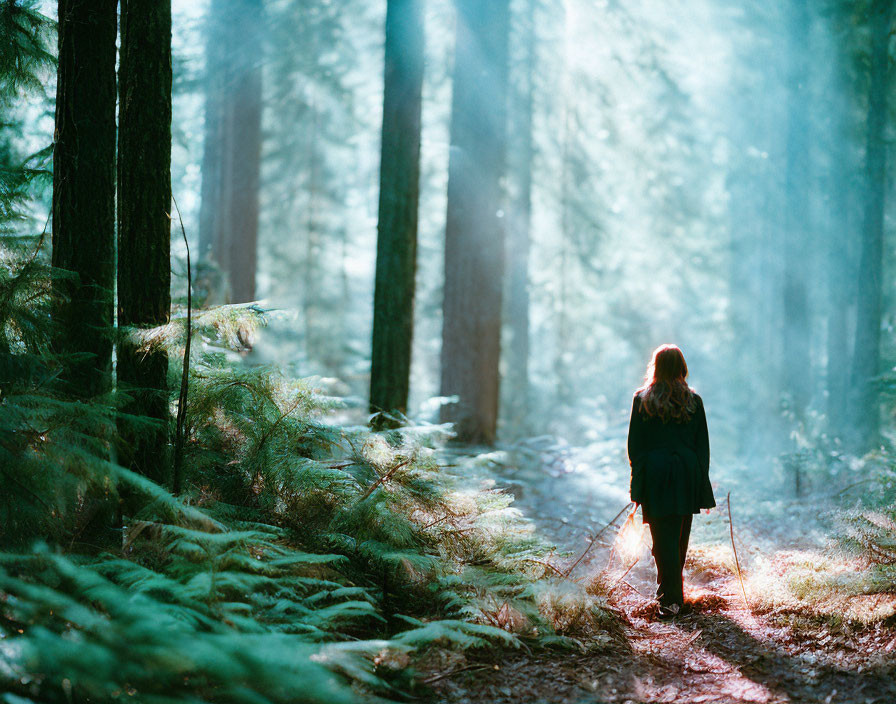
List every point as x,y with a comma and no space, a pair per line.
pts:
573,611
833,586
711,561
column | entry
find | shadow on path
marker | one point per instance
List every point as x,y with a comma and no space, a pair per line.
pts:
798,677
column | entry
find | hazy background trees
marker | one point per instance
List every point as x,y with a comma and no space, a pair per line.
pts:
726,189
660,184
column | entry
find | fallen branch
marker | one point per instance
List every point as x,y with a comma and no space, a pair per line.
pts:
385,477
548,565
594,538
437,521
694,637
451,673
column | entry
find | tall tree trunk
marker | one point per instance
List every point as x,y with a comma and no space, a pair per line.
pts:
474,230
311,289
245,175
144,227
563,390
866,359
396,253
228,218
796,381
840,236
84,222
839,288
519,233
84,192
214,147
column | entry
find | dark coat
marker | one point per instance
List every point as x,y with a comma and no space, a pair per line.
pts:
670,463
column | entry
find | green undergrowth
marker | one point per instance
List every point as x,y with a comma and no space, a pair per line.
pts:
302,560
852,580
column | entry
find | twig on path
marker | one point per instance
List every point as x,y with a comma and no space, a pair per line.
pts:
625,574
740,577
451,673
594,538
546,564
623,583
693,637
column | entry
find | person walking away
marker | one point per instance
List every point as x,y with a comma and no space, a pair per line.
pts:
668,450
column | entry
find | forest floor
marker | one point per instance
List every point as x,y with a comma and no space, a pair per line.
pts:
722,652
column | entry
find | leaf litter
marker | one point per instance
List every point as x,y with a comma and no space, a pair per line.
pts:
775,651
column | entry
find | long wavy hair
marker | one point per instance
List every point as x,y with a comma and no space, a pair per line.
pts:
665,393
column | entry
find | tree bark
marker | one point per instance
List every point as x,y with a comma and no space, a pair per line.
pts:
396,255
866,359
474,231
144,226
84,193
519,237
228,218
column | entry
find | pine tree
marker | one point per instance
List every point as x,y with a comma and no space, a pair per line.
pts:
84,192
144,201
519,232
396,259
866,359
474,230
228,219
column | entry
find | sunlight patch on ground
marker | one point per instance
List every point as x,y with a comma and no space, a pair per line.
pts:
837,587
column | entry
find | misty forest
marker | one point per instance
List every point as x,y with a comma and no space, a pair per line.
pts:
323,336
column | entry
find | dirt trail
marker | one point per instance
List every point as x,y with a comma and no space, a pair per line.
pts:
720,653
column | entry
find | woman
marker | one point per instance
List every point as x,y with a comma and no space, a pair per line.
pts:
668,449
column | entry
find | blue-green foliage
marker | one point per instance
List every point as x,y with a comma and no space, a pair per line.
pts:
300,550
301,555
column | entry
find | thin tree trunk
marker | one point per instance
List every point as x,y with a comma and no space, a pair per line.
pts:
797,381
840,264
310,300
84,193
144,226
519,234
866,360
561,367
474,230
396,254
245,173
837,373
211,201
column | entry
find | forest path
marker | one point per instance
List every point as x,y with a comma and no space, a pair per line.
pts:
720,653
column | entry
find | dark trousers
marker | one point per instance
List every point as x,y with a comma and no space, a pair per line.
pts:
670,548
